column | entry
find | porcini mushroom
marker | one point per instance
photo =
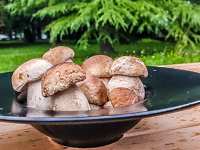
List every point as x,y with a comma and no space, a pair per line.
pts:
59,83
28,75
129,66
98,65
122,97
133,83
59,55
60,77
94,89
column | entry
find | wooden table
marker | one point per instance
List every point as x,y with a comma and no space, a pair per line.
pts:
175,131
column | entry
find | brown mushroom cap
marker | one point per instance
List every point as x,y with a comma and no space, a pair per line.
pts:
133,83
94,89
122,97
129,66
58,54
29,71
98,65
60,77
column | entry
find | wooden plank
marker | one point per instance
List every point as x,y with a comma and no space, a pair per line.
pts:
195,67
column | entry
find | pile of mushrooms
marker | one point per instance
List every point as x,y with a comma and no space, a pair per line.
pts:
55,82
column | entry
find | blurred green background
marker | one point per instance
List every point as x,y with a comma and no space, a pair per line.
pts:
159,32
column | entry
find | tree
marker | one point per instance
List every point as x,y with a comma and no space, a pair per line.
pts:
104,20
183,22
4,17
109,20
1,16
21,13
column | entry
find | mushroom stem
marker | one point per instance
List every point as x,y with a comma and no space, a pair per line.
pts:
70,99
95,107
35,98
108,105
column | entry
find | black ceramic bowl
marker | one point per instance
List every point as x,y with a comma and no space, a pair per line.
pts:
167,90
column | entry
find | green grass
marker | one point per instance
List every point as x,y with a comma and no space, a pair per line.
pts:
152,52
13,54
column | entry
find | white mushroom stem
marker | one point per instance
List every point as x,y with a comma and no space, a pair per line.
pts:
108,105
16,108
95,107
105,81
70,99
35,98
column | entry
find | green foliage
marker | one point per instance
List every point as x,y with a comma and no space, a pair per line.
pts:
24,7
184,22
110,20
102,19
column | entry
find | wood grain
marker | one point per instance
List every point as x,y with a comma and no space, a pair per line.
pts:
178,131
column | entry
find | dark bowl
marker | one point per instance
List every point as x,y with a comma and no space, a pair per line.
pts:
167,90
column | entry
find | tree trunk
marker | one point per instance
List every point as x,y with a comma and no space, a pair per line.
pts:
10,34
106,47
53,43
39,32
28,36
33,32
58,40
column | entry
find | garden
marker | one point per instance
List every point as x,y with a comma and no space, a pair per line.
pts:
160,33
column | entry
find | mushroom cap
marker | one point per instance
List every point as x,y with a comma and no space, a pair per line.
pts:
94,89
129,66
70,99
58,54
98,65
29,71
60,77
122,97
133,83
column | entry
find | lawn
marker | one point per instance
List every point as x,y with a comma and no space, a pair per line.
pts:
152,52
